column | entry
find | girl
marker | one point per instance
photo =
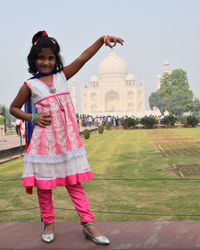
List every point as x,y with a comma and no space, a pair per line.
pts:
55,155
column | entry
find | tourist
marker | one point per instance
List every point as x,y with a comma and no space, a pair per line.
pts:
2,127
90,121
55,147
17,126
109,120
104,121
79,123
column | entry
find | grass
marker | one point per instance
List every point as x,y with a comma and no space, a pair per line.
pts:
128,182
10,133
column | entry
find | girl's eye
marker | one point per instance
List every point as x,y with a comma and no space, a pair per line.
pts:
51,58
40,57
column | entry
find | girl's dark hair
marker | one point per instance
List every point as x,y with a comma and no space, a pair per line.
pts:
40,41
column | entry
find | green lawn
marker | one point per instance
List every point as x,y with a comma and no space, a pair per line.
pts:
128,185
11,132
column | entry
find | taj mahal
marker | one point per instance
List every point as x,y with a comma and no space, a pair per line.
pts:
114,91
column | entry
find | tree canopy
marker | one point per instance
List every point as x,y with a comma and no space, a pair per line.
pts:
174,94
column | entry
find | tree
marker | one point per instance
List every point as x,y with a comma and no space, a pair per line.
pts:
3,110
195,107
8,117
180,103
160,98
153,100
178,79
174,94
182,96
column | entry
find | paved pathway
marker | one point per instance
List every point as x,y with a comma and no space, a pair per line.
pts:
11,141
10,148
123,235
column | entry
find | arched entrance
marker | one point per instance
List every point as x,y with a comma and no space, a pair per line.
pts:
112,101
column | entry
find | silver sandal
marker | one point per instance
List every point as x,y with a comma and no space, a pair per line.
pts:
48,238
103,240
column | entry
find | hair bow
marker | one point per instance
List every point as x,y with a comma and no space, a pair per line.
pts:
44,33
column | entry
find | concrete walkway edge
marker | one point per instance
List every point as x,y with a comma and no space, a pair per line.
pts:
154,235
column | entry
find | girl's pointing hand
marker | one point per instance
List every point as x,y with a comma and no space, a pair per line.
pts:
111,41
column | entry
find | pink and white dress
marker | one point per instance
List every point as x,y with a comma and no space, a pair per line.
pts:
55,156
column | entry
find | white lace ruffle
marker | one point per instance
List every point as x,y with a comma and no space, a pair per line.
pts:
55,158
45,171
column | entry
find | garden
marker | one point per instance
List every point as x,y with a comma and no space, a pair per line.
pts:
131,181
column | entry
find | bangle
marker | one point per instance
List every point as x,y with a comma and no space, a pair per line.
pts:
105,39
33,119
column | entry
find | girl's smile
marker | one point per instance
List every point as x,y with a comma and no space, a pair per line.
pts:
45,62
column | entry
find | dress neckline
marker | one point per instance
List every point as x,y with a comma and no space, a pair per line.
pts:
39,75
49,85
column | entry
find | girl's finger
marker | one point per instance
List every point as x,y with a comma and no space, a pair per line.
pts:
114,44
47,120
108,43
46,115
41,125
46,123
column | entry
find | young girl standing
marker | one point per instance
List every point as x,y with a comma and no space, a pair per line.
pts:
55,155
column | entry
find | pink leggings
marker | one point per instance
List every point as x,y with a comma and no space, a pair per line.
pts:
78,198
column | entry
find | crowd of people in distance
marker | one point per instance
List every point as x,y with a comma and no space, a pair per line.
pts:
88,121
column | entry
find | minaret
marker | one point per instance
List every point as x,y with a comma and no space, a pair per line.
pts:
158,82
142,83
143,95
166,70
166,67
74,94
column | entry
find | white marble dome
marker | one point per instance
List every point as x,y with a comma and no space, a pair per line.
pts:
130,77
94,78
113,64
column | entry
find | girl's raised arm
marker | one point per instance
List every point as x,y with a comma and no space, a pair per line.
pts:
77,64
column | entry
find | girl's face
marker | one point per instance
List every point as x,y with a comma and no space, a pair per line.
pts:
45,63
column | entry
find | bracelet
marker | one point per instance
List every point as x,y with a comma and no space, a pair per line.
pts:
105,39
33,119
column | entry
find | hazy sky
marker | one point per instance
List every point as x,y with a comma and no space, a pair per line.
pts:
153,30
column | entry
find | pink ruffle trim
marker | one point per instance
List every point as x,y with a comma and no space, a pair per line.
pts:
52,184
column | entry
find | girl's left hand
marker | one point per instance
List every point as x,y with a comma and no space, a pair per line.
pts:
111,41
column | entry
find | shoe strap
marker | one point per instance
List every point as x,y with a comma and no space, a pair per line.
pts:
88,224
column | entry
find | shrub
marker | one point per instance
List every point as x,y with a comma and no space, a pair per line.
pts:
128,122
169,120
86,133
108,125
137,121
100,129
149,121
192,121
183,120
